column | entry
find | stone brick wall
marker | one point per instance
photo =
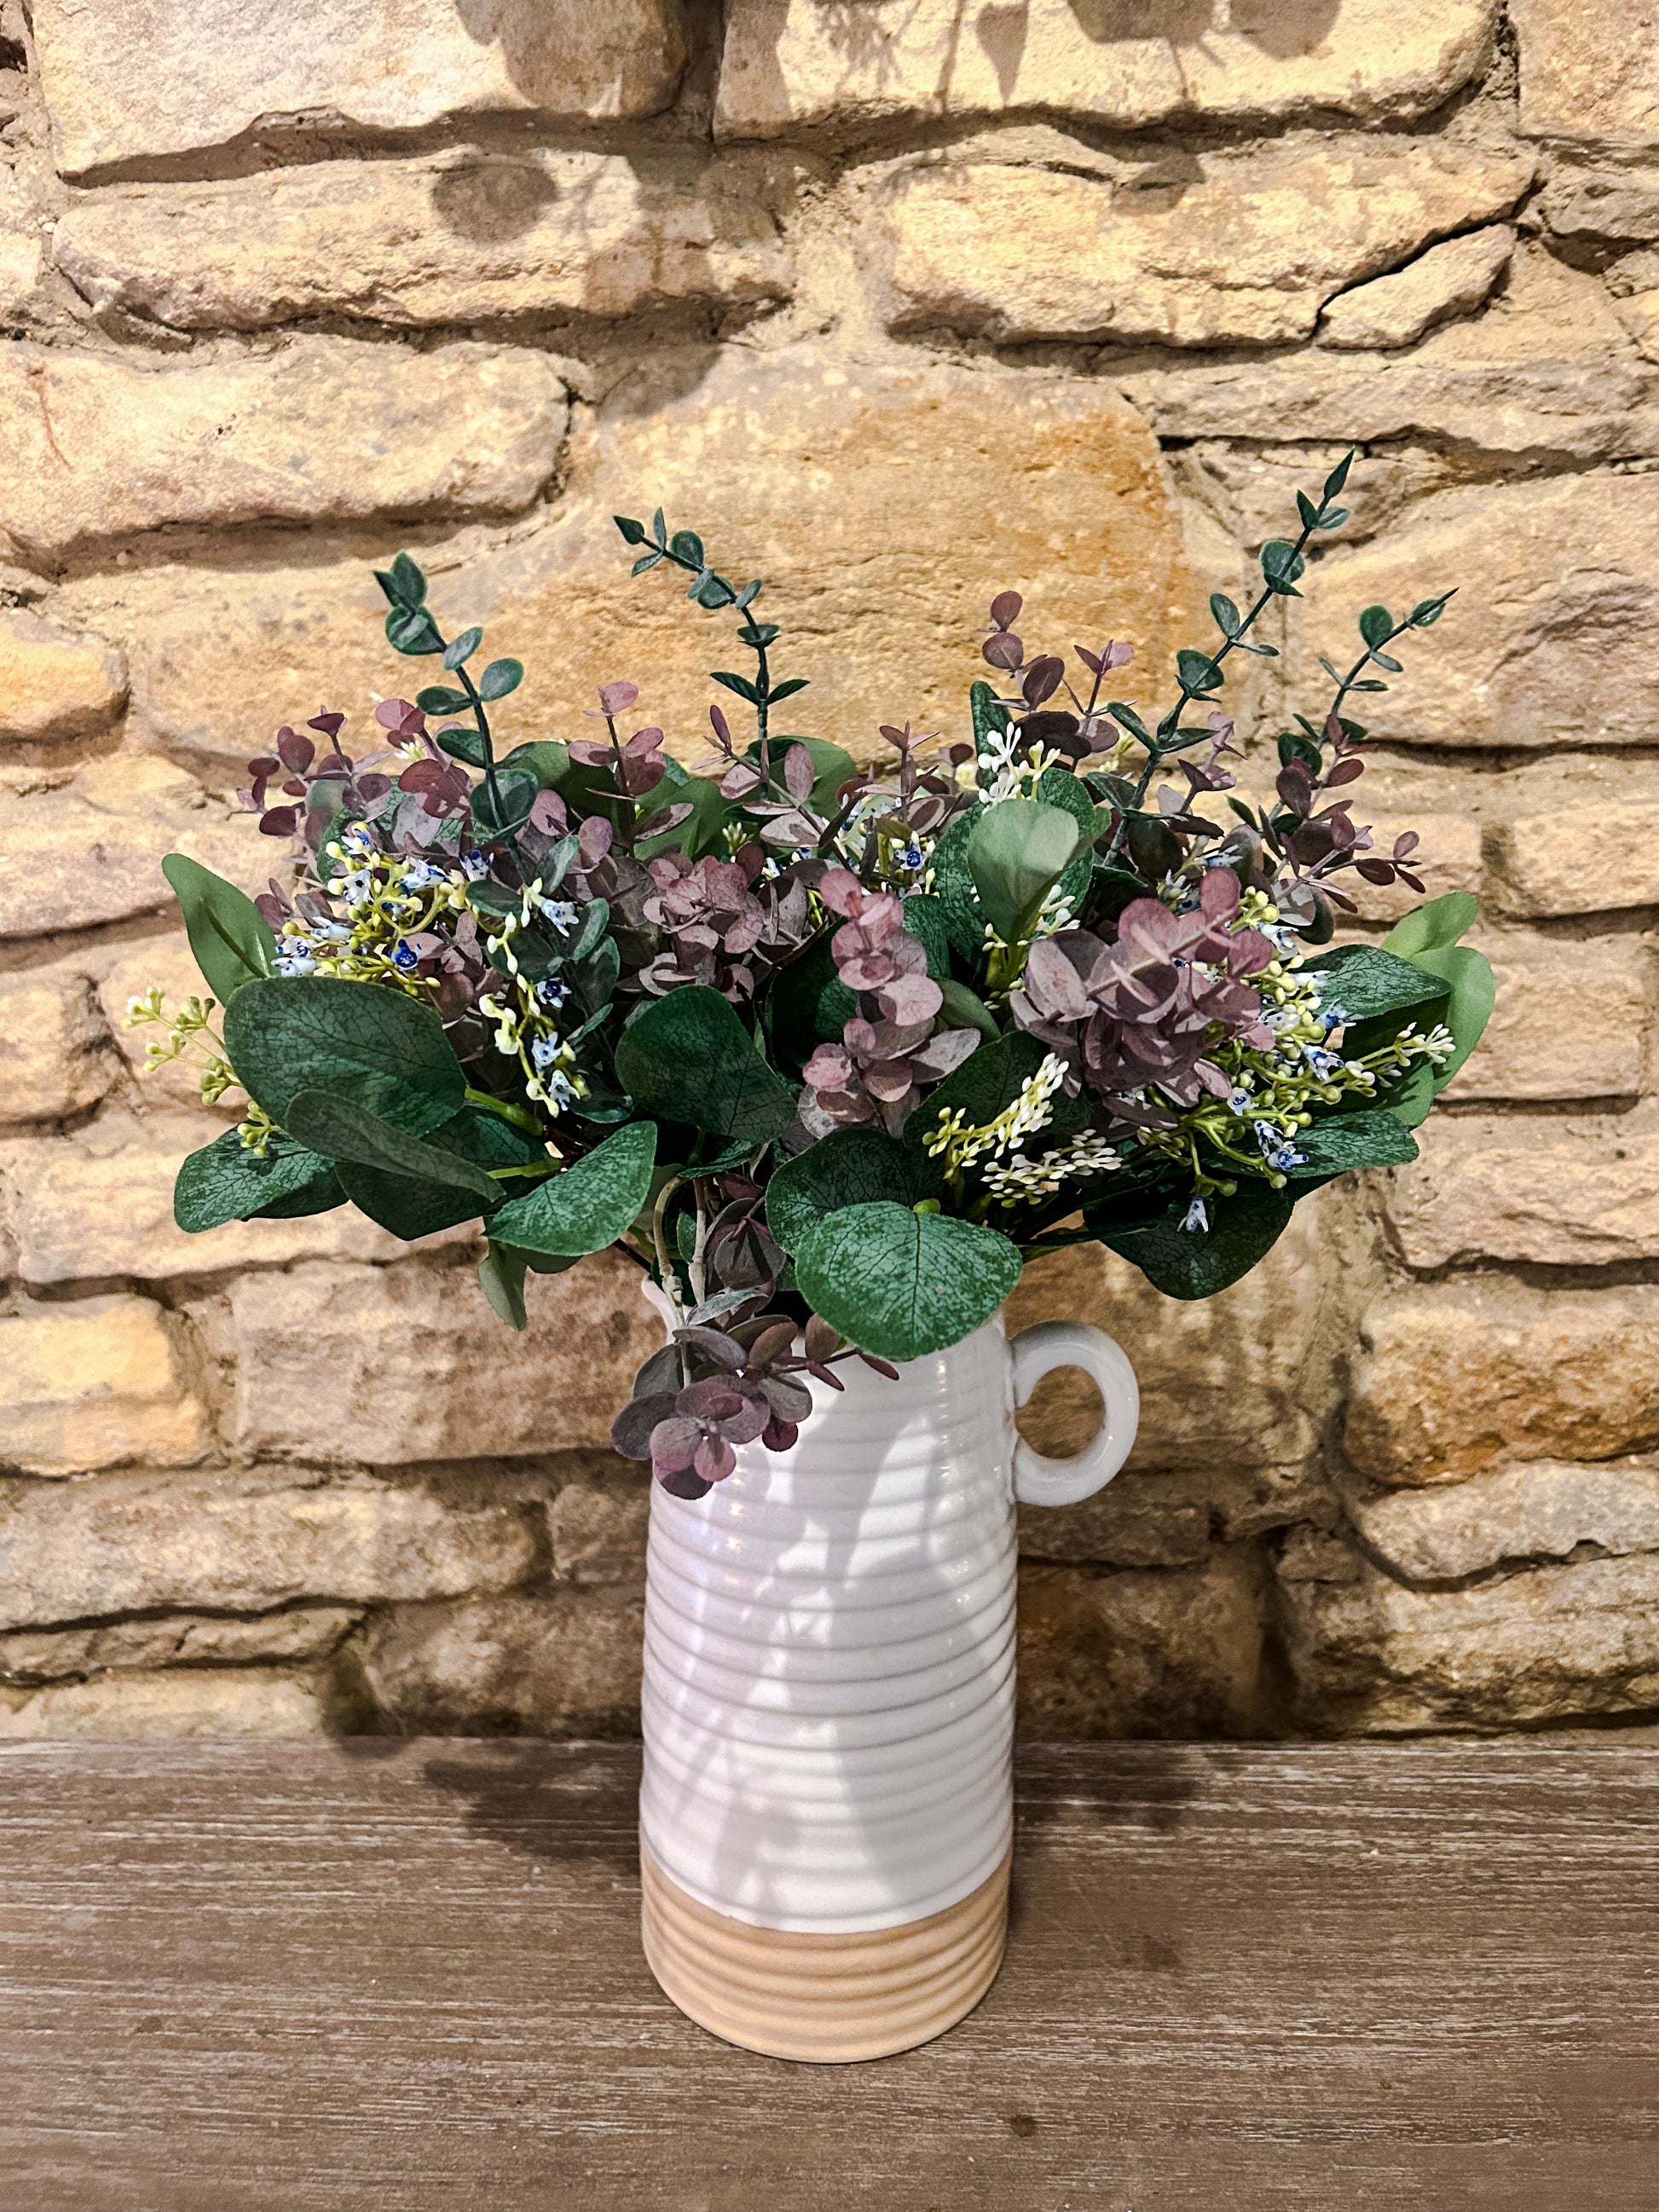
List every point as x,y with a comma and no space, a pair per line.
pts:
901,300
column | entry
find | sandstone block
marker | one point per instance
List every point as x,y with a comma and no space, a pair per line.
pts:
302,1634
454,238
180,75
1205,249
1579,1194
843,485
564,1664
1545,574
1451,279
801,64
1138,1519
1589,74
57,1058
326,430
1620,203
1546,372
392,1365
1458,1376
1530,1051
1579,860
229,1702
138,1544
99,1204
599,1529
1508,1516
1176,1652
1370,1655
88,850
54,686
1239,1378
1640,314
102,1383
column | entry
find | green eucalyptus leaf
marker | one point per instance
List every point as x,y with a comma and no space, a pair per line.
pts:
688,1057
1369,1137
362,1041
808,1004
990,716
463,743
501,677
410,1206
500,1278
1366,982
1472,988
587,1206
460,650
1281,565
901,1283
230,937
963,1008
1437,923
1196,1263
547,760
632,532
851,1167
1015,852
1228,619
492,817
1198,672
1375,625
224,1181
924,918
346,1131
441,698
403,583
411,630
686,546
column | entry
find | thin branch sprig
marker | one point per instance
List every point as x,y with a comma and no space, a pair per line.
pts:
1282,564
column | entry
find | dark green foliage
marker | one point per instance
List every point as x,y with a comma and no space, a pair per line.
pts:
588,1204
688,1058
852,1167
902,1284
230,939
224,1181
1197,1263
357,1041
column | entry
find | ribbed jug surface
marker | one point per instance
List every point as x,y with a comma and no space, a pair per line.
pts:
829,1664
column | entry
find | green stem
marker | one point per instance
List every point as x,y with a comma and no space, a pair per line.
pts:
520,1116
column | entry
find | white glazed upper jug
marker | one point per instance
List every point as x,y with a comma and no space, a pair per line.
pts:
829,1646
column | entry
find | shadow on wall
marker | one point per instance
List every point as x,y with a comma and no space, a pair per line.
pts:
866,32
634,43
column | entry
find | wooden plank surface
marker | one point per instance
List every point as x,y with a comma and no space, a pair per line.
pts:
405,1976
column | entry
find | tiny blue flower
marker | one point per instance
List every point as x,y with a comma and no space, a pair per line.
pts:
1266,1135
545,1051
295,964
1324,1064
474,865
559,911
1240,1102
1286,1158
911,856
355,889
1196,1216
552,993
421,875
1334,1017
405,958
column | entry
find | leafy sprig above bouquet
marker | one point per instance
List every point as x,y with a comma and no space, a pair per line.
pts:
827,1049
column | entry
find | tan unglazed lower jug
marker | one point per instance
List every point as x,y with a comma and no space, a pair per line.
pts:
826,1817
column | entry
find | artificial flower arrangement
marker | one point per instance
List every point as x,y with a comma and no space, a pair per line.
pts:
828,1051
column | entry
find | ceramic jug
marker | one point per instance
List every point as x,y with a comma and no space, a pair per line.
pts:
826,1814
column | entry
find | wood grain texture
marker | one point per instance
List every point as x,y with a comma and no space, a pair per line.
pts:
407,1976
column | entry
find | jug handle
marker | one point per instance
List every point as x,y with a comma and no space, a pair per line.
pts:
1036,1352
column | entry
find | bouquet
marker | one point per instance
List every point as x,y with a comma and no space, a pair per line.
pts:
828,1050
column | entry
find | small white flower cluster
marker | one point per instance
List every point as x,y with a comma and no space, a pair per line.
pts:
997,772
525,1032
1020,1179
1032,1111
